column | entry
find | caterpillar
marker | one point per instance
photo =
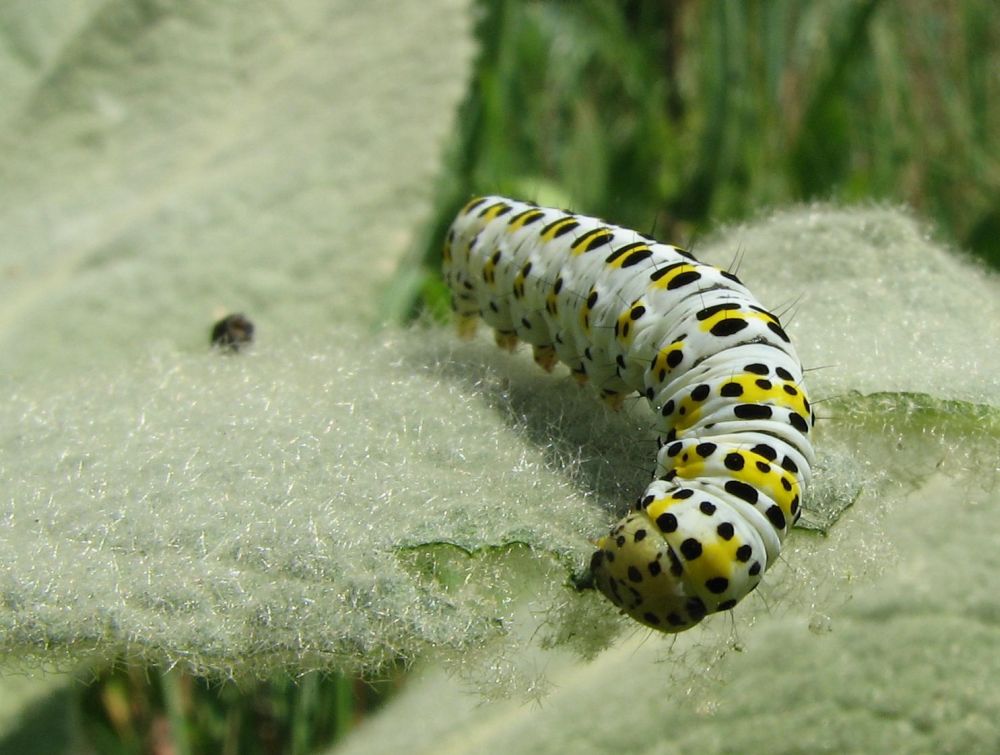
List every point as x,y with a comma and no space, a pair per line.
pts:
628,314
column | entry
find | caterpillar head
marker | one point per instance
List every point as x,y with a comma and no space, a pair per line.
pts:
640,573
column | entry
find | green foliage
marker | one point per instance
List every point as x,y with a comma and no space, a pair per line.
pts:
129,709
677,116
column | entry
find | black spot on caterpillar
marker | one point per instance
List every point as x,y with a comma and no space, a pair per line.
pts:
628,314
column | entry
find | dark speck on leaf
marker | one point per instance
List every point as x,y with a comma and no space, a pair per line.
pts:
232,333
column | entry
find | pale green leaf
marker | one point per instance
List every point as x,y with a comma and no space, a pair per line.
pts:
877,637
162,164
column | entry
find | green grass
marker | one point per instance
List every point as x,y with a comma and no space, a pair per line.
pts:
679,116
131,709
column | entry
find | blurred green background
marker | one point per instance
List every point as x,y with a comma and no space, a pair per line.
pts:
672,116
679,115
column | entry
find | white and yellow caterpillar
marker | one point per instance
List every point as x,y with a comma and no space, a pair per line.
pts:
627,313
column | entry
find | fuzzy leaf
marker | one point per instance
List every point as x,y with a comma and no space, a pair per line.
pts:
875,637
163,164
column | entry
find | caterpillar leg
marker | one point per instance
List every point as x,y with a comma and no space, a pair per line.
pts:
614,400
545,356
505,339
466,326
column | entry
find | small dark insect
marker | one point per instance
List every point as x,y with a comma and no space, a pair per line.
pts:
232,333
